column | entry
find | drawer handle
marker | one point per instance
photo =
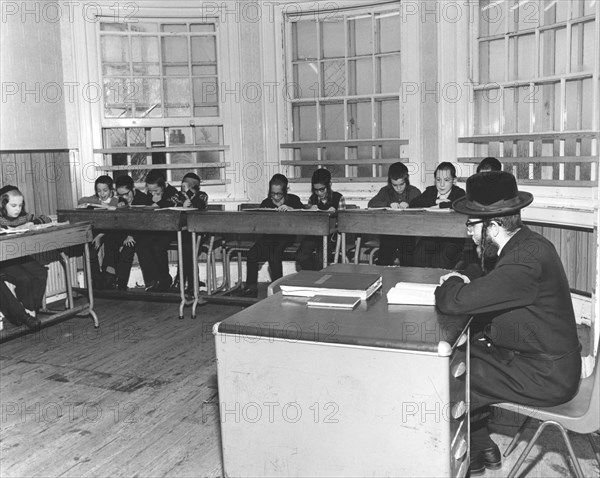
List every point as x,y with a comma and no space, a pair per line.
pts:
459,369
459,409
461,450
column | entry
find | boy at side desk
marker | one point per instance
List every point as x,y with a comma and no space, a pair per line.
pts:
197,199
104,197
27,275
435,251
152,247
270,247
396,195
310,253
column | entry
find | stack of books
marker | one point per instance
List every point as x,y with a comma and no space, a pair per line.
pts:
331,289
410,293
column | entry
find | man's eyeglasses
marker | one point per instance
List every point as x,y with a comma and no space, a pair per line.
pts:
470,223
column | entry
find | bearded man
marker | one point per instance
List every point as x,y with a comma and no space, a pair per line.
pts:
525,348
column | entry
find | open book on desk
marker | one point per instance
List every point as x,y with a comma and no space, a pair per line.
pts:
340,284
411,293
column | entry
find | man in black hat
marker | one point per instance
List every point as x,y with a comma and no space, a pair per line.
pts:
525,347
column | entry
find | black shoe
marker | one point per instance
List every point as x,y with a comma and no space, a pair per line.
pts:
477,464
32,323
492,457
249,291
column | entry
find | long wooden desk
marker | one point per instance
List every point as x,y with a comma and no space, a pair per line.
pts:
400,222
55,237
305,223
137,219
377,391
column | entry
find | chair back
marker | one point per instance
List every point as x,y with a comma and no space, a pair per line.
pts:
589,388
215,207
352,206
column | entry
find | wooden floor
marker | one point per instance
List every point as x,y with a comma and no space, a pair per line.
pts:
138,398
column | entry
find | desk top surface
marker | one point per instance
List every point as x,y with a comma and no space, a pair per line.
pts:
373,323
44,239
299,222
134,219
407,222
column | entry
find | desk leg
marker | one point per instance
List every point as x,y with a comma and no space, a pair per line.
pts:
195,247
88,282
181,277
343,251
325,251
68,280
357,248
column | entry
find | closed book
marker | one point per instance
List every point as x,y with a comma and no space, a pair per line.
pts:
311,283
333,302
410,293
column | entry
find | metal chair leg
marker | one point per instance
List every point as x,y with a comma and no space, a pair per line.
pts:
513,443
537,434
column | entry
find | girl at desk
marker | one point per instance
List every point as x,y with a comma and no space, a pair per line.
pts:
323,198
435,251
152,247
396,195
104,197
270,247
28,276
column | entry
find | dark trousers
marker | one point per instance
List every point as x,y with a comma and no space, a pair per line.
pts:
30,278
309,256
268,248
390,246
10,306
118,258
152,251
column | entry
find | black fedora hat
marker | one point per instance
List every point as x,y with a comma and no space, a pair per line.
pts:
492,194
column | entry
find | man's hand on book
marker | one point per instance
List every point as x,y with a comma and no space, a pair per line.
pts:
445,277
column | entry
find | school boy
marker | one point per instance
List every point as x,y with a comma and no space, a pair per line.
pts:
397,194
435,251
270,247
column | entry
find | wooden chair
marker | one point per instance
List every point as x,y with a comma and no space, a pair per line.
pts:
579,415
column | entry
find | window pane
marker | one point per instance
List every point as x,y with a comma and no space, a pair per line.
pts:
333,121
334,78
389,74
146,96
524,48
305,40
113,27
360,36
305,122
144,27
204,49
491,18
487,104
491,61
306,79
523,100
173,28
175,55
202,27
333,38
208,135
177,97
361,76
589,6
205,91
388,26
547,104
553,52
114,49
579,111
387,119
144,55
359,120
510,110
582,47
